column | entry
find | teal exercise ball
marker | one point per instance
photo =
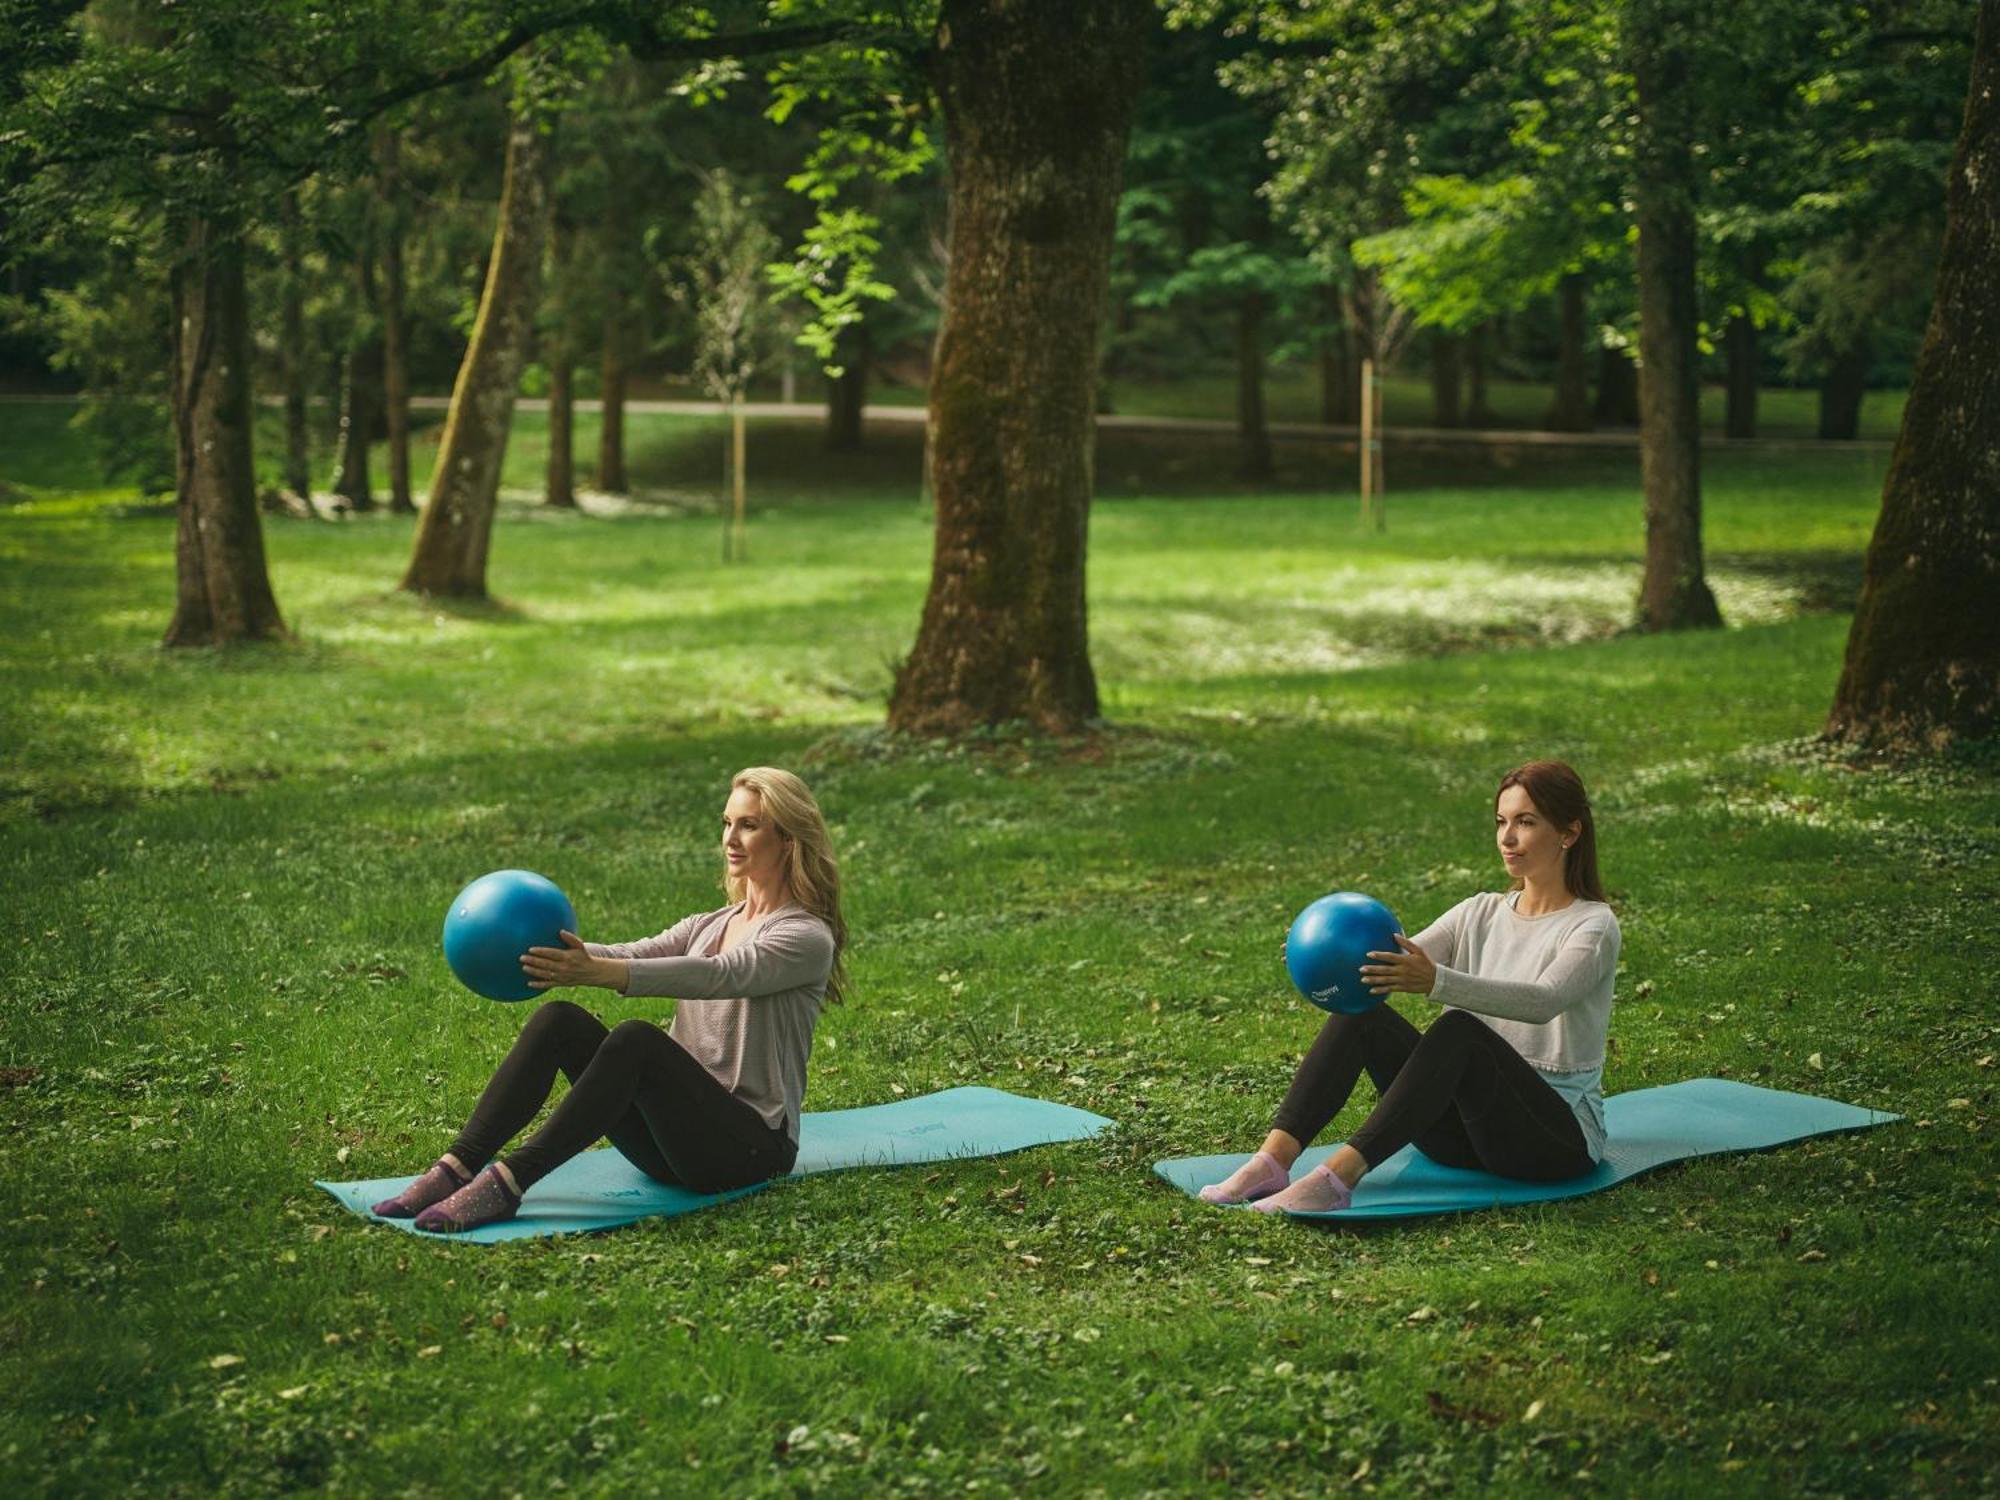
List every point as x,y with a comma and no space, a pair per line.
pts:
495,920
1329,942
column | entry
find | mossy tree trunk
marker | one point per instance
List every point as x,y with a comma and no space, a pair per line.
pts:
457,523
1923,656
223,588
1035,131
1674,594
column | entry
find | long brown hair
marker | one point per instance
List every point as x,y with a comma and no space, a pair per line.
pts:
811,874
1558,795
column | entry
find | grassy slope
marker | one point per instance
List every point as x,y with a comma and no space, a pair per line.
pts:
225,875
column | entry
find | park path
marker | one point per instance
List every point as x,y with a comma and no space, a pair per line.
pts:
1499,437
1310,432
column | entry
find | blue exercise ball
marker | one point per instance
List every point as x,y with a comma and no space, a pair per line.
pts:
1329,942
495,920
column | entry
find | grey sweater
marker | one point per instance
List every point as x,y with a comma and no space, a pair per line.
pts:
747,1015
1542,983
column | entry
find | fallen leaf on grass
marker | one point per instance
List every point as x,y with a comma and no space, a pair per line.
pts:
1813,1255
430,1351
1817,1062
224,1361
1534,1409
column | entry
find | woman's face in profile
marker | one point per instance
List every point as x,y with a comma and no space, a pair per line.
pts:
1531,846
752,847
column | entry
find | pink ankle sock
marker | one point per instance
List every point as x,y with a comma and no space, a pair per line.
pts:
1320,1191
438,1182
1257,1178
485,1200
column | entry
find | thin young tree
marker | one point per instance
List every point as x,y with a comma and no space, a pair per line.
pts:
723,282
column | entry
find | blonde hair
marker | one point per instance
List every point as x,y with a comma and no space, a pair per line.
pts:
811,875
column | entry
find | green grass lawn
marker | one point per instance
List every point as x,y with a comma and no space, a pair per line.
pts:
226,872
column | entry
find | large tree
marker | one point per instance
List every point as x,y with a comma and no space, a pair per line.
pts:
1923,656
1035,135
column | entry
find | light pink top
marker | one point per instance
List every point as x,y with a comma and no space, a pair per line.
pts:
746,1015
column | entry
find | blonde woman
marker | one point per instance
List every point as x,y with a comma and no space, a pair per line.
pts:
710,1103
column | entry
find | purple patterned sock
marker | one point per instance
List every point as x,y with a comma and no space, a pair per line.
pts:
485,1200
439,1182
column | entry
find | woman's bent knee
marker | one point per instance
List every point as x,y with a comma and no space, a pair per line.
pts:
559,1015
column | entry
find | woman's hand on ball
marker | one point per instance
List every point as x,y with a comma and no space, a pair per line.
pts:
1409,972
571,964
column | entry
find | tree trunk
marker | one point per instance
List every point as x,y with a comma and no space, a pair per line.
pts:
1571,411
1253,432
1840,393
1479,411
1923,656
1447,376
1035,129
223,587
562,418
1739,347
1674,594
559,345
847,392
360,401
395,325
1617,403
457,524
1339,388
617,238
294,356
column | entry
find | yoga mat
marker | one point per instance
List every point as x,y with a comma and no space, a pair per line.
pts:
601,1190
1646,1128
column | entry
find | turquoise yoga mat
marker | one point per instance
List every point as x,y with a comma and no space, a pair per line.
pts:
1645,1128
602,1190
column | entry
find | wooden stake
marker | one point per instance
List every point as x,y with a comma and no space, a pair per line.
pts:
1381,485
1367,441
736,467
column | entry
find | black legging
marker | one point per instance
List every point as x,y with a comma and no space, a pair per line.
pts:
1458,1091
633,1084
